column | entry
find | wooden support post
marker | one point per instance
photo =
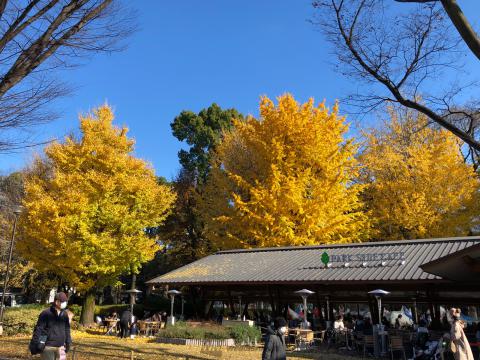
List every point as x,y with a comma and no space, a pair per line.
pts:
245,309
73,354
132,357
319,305
231,303
272,303
280,303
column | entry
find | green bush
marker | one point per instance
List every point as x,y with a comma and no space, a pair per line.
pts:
183,331
21,320
242,334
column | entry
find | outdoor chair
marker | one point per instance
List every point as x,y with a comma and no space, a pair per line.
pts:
396,344
304,341
318,337
142,327
102,326
358,340
153,328
368,343
340,340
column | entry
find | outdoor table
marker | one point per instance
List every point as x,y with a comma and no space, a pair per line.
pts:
302,336
111,326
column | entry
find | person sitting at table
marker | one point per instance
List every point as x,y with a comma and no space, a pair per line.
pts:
367,327
156,317
338,323
399,322
422,327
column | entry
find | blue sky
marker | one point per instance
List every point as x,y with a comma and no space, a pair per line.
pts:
191,53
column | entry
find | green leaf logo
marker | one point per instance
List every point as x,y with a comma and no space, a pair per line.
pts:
325,258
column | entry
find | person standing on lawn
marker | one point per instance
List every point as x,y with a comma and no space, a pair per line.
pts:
125,322
53,326
275,348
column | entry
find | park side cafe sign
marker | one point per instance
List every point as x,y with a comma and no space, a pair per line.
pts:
362,257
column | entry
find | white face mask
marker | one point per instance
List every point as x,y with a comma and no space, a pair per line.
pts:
63,305
282,330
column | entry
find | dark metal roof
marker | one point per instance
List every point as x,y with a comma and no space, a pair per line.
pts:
364,262
461,266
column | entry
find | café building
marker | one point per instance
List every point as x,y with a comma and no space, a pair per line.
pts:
424,275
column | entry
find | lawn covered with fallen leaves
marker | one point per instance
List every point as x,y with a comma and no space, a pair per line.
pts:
91,346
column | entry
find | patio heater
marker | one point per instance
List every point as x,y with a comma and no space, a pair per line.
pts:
133,294
379,294
172,293
304,293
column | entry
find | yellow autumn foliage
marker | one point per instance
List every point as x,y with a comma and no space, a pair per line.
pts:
285,179
88,202
418,184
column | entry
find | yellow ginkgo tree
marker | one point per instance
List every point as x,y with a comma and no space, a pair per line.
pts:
284,179
88,201
417,182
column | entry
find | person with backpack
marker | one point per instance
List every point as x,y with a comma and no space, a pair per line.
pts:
459,345
275,348
51,337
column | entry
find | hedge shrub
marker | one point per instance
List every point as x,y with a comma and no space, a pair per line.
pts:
183,331
21,320
242,334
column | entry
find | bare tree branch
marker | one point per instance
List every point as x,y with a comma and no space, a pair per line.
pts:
404,53
460,21
39,37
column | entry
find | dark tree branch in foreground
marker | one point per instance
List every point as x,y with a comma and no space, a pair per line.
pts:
38,37
460,21
405,53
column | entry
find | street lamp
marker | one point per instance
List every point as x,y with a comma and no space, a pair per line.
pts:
172,293
16,212
304,293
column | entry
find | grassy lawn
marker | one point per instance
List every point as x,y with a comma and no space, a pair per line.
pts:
105,347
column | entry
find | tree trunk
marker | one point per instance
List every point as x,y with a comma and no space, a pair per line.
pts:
88,308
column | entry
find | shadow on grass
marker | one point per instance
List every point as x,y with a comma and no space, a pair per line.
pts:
103,345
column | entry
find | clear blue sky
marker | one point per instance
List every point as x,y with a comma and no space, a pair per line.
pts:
191,53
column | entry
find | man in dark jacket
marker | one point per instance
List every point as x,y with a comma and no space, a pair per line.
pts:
125,322
275,348
53,327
